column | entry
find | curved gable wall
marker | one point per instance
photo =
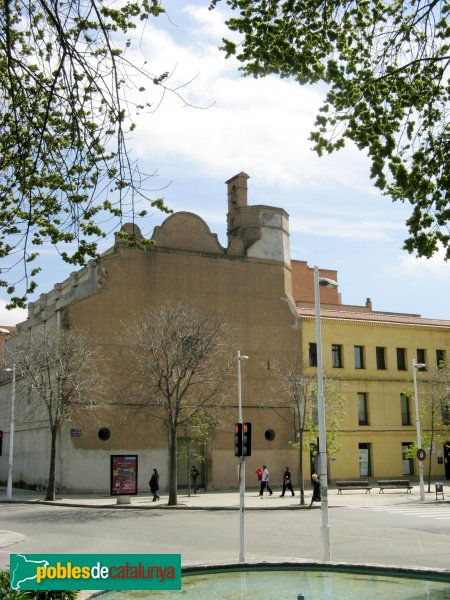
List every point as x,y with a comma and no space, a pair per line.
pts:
188,232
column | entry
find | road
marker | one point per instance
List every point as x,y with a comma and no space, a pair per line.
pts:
392,534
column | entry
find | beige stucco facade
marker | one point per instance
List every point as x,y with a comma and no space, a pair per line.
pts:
266,298
249,282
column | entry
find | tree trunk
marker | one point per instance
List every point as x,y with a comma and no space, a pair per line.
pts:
431,448
189,467
51,485
173,467
429,463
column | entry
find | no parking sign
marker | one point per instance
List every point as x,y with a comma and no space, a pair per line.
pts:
421,454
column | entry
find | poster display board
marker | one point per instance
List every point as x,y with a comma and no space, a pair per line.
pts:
124,475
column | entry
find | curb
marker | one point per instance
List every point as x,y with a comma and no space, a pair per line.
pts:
158,507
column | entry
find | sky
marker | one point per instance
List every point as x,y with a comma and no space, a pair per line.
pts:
220,124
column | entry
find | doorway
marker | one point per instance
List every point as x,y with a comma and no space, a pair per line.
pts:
364,460
190,453
408,462
447,459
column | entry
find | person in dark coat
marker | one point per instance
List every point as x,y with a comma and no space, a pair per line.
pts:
316,489
154,485
287,482
195,474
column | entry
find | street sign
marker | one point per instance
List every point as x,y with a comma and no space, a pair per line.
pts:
421,454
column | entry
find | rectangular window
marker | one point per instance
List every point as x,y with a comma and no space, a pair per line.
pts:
440,358
336,356
363,416
381,358
406,415
313,355
401,359
359,357
365,460
408,462
445,412
421,359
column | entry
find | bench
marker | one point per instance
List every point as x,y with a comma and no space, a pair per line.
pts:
394,484
353,485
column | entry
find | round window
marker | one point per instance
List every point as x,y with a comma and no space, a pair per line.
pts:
269,435
104,434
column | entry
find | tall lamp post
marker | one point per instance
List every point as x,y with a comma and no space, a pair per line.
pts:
241,467
416,366
323,467
11,431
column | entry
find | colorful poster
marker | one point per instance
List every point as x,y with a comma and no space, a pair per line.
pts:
124,475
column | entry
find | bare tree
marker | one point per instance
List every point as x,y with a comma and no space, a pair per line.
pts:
179,356
61,368
298,391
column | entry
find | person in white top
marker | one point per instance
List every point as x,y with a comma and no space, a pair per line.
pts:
265,482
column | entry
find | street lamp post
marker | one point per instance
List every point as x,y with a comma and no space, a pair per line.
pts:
11,432
416,366
323,467
241,467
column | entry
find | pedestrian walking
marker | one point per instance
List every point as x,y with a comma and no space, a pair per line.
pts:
316,489
265,482
287,482
154,485
194,477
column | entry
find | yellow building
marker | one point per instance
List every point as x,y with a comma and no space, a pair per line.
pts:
370,355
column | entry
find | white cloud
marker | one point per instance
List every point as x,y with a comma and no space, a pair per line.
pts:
418,270
362,229
11,317
261,126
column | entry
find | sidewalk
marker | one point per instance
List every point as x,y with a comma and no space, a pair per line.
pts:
228,500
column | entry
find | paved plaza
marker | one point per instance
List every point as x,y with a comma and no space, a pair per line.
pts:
391,529
230,500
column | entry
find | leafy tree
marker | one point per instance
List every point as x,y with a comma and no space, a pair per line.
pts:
385,64
179,356
61,369
196,433
66,175
298,390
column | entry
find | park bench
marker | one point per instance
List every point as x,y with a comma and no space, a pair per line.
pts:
394,484
353,485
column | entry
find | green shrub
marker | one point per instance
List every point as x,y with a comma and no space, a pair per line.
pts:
7,594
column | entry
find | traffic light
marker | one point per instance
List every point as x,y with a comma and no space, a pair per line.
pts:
247,440
238,439
243,439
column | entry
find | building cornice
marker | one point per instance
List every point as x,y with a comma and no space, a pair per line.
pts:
375,319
